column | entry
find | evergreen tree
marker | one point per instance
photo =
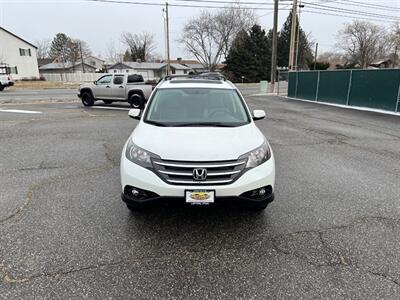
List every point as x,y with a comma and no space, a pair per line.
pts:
305,53
59,47
249,56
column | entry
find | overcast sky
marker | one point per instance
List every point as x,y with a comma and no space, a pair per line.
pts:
100,24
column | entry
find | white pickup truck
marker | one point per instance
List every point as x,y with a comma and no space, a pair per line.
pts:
116,87
5,77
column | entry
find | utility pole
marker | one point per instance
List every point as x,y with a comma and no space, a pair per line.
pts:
83,63
167,28
293,36
315,56
297,55
274,47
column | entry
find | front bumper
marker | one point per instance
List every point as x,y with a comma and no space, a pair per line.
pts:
133,175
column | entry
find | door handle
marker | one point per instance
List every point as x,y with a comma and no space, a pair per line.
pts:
108,86
121,87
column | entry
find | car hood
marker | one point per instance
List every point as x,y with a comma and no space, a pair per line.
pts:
197,143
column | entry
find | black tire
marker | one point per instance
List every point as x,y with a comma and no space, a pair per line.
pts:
1,87
87,99
107,102
136,101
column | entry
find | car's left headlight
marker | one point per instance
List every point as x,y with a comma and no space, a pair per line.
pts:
257,156
138,155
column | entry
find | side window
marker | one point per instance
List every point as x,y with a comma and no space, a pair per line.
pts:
135,78
105,79
118,79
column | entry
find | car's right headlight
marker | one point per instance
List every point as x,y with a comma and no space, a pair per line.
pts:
138,155
257,156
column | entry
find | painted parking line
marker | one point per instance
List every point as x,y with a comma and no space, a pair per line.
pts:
115,108
20,111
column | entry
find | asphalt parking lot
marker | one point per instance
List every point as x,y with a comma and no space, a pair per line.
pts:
333,230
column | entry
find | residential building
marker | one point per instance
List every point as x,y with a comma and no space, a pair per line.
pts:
19,54
94,61
57,68
149,70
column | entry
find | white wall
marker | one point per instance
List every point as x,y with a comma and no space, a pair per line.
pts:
9,53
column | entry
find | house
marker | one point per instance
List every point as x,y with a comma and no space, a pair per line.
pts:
149,70
58,67
19,54
381,64
94,61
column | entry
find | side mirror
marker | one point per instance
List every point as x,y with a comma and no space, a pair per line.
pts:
95,82
258,114
134,113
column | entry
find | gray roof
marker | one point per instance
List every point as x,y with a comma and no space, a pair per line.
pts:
147,65
58,66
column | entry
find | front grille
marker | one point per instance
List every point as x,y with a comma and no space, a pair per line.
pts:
181,172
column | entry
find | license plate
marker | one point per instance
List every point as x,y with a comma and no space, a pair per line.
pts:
199,197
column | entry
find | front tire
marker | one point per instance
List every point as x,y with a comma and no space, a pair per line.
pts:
87,99
1,87
136,101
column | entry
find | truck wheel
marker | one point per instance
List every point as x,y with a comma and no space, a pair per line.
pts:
136,101
107,102
87,99
1,87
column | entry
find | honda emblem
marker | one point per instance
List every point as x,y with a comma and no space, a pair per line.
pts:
199,174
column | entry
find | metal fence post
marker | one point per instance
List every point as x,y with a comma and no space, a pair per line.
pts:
349,89
317,91
398,99
297,83
279,75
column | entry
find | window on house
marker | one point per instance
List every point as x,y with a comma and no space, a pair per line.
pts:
184,71
173,71
25,52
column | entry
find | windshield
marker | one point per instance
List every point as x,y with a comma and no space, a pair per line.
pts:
196,107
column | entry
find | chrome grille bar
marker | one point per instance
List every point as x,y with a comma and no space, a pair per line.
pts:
181,172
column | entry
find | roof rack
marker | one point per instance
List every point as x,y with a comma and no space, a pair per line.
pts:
204,76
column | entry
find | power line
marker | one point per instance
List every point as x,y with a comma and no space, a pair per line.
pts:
349,11
316,8
368,5
345,16
175,5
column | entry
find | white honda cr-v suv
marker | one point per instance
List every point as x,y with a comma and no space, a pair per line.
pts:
196,142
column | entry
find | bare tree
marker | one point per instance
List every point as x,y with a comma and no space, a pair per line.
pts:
141,46
78,50
395,43
363,42
112,54
209,36
43,47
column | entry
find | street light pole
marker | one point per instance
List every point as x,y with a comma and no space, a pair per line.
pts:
274,47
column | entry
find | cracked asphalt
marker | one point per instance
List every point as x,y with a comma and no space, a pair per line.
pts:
333,231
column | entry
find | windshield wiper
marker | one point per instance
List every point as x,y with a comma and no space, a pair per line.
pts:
209,124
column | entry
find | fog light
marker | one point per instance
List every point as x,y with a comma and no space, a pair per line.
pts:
261,192
135,193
